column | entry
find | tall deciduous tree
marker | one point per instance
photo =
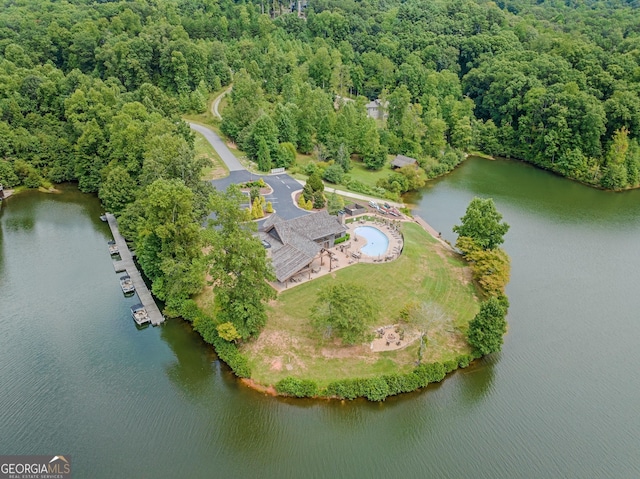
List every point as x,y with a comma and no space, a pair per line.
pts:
237,265
117,190
345,310
483,223
488,327
166,233
491,267
424,317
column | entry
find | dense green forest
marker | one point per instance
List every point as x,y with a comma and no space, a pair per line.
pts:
92,92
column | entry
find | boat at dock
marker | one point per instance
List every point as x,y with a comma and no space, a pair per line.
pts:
113,248
147,311
139,314
127,284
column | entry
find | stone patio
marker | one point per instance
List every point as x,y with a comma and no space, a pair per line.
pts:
348,253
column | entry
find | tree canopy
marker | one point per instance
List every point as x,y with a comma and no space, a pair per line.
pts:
488,327
88,86
346,310
483,224
237,265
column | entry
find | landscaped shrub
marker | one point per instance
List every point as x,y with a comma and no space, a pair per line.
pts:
185,308
464,360
450,366
333,174
297,387
318,199
342,239
395,383
430,373
359,187
305,205
226,351
310,168
376,389
379,388
344,389
259,183
229,353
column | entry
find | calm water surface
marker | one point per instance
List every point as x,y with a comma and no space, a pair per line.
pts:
77,377
377,241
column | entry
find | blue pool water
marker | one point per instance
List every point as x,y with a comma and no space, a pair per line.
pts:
377,241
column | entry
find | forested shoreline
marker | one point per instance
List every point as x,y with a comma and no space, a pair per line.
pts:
89,87
94,93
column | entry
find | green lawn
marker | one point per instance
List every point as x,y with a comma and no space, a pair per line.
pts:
425,272
217,168
368,177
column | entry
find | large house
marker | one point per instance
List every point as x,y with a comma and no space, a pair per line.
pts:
376,109
294,244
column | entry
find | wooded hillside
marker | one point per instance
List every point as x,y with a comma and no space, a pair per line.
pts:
90,91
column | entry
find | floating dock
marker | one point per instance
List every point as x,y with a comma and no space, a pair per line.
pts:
127,264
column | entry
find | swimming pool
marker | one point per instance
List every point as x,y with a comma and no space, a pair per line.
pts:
377,241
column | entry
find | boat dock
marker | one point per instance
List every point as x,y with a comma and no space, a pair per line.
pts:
127,264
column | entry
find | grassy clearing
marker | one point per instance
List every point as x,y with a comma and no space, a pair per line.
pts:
205,118
217,168
426,271
368,177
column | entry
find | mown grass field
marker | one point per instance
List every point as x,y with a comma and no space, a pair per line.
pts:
368,177
425,272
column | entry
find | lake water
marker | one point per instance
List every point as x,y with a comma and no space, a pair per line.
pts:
561,400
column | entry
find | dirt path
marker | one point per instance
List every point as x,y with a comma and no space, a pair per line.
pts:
216,103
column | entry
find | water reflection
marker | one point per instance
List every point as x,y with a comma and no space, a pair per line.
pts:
20,223
192,371
525,189
476,381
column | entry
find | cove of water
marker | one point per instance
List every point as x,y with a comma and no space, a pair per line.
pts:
78,378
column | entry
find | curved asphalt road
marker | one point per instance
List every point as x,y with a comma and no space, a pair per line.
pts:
218,144
282,184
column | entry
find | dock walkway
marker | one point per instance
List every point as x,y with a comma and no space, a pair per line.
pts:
127,264
429,229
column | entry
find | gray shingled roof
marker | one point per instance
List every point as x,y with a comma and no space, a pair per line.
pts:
314,226
299,237
288,260
401,160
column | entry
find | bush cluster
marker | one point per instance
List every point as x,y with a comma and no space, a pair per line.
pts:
381,387
359,187
342,239
226,351
259,183
300,388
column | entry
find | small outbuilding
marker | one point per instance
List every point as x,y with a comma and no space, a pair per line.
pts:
400,160
355,209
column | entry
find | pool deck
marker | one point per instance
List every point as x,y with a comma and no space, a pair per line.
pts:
348,253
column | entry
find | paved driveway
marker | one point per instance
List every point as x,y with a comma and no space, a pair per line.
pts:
231,161
283,185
